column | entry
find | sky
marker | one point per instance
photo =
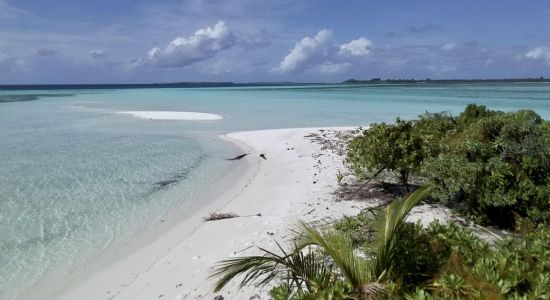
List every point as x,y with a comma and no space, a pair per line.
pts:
138,41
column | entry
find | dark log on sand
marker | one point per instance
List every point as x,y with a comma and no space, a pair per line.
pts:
237,157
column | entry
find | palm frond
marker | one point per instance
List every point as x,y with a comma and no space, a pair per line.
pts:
340,249
387,224
302,270
254,267
374,291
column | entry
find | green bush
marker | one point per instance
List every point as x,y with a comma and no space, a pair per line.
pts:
466,267
396,148
492,165
497,165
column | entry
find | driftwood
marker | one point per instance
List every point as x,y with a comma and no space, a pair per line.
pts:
221,216
237,157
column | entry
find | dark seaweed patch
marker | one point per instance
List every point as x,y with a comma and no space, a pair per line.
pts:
29,97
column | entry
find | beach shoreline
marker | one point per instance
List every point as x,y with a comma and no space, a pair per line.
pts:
295,181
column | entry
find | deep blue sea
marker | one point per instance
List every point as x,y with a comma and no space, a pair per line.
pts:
78,178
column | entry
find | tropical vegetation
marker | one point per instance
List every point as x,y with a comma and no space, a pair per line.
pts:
493,167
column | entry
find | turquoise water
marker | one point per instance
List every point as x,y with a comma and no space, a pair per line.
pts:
78,178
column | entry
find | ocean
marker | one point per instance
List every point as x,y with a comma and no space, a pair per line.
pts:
78,179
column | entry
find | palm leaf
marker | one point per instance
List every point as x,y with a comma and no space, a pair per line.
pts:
302,270
386,225
339,248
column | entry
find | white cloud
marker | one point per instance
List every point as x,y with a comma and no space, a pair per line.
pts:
358,47
319,53
203,44
308,51
97,53
153,52
539,53
449,46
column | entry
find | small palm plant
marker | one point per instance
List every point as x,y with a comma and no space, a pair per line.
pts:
308,273
339,177
304,271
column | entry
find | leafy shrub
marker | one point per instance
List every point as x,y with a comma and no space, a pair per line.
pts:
338,291
498,165
490,164
357,227
394,147
468,268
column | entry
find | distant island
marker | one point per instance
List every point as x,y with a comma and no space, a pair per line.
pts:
148,85
213,84
428,80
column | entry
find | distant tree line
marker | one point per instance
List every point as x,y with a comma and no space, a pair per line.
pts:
378,80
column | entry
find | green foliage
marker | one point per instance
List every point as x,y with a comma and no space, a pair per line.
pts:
387,226
304,271
339,291
281,292
339,248
464,267
339,177
520,268
497,164
490,164
473,113
432,128
419,294
394,147
357,227
418,257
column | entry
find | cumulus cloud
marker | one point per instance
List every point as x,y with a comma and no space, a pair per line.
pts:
97,53
44,52
321,54
308,51
539,53
358,47
203,44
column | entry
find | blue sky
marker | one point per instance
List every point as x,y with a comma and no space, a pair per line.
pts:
123,41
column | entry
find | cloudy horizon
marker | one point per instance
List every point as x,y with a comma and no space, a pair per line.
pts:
67,41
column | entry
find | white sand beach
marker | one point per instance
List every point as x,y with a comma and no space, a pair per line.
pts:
173,115
295,182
